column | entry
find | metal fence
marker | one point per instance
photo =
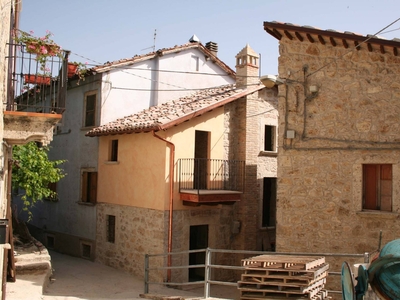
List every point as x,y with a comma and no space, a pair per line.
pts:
36,85
211,174
208,266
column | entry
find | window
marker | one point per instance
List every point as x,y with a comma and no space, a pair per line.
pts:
269,138
52,186
377,187
110,229
113,151
195,63
89,187
269,202
90,110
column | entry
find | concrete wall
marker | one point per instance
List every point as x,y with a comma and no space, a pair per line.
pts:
130,89
69,219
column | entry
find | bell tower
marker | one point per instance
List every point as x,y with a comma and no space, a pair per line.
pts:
247,67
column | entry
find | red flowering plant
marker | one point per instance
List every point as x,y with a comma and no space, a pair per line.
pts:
42,47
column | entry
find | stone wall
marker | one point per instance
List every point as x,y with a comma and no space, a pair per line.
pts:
140,231
352,120
246,118
5,14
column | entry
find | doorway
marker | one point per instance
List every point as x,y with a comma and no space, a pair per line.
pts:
201,155
198,240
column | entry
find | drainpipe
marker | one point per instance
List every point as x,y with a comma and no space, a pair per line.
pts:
171,194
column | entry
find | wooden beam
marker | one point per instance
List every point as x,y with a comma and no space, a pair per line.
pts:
345,43
310,38
358,47
321,39
278,34
298,35
395,52
333,42
382,49
288,35
369,46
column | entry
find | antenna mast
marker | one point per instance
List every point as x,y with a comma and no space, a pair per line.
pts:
154,43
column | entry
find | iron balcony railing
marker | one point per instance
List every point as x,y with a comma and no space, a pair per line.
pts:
36,86
211,174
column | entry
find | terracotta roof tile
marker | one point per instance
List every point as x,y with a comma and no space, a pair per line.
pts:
174,112
139,58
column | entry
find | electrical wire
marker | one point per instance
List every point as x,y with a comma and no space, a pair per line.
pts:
354,48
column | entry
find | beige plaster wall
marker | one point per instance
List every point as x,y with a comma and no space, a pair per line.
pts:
352,120
136,191
141,175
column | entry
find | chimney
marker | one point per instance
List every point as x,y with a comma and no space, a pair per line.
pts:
213,47
247,67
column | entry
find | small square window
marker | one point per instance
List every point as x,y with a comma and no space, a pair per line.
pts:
195,63
90,110
111,229
89,187
53,187
113,151
269,138
377,187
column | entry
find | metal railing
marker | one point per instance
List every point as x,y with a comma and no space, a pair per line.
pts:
208,266
211,174
36,86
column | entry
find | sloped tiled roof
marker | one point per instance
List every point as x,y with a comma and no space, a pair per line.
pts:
176,49
335,38
174,112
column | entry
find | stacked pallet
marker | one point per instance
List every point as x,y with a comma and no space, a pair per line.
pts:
283,277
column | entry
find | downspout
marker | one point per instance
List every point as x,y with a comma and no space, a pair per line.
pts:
171,195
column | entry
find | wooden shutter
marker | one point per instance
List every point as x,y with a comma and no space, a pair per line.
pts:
377,187
93,187
370,189
386,188
85,186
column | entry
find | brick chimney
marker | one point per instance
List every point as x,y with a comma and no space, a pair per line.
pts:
213,47
247,67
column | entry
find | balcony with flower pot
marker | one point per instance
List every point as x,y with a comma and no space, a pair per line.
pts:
37,87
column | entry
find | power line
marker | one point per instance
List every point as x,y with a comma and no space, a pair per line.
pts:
354,48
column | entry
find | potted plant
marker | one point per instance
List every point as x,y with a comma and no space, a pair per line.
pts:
39,78
42,47
77,68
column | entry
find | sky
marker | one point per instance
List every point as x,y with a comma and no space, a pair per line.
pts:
97,31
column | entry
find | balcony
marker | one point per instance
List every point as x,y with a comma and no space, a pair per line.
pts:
210,181
36,95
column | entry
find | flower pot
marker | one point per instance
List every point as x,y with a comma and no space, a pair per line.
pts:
46,49
71,71
37,79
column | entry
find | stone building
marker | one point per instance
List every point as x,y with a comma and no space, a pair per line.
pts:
339,140
188,174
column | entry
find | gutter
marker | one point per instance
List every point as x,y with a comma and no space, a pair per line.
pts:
171,203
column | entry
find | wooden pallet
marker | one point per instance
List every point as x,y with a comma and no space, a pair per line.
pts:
306,275
281,289
278,279
321,295
283,262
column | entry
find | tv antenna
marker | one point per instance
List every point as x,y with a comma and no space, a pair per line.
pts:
154,43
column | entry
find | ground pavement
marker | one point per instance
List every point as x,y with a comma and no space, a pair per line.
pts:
78,279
